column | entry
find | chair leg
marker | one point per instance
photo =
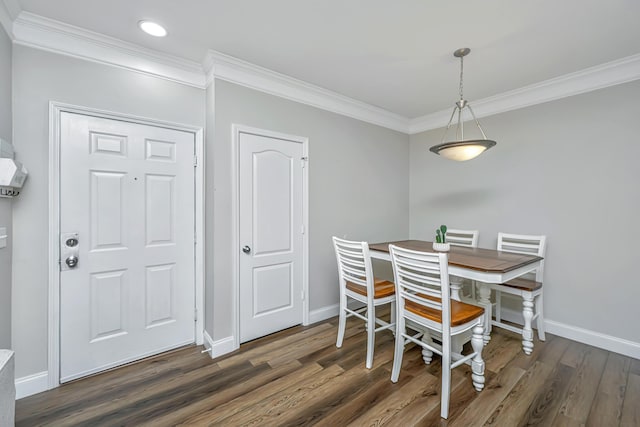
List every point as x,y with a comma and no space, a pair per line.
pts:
398,351
392,319
527,313
540,318
477,363
342,322
446,377
371,334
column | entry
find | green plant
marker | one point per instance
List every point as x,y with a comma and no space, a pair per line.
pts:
441,234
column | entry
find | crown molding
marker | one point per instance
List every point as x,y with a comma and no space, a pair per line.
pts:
224,67
54,36
43,33
601,76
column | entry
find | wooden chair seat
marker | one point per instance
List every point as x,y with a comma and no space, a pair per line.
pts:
461,312
523,284
382,288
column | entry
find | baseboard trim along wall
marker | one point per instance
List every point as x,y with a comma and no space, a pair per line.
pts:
585,336
330,311
220,347
323,313
32,384
596,339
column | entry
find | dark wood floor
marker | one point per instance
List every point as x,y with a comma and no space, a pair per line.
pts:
299,377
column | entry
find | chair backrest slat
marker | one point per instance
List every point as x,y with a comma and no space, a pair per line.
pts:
423,278
354,264
467,238
524,244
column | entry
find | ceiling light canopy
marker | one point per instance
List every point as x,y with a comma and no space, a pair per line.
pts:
152,28
461,149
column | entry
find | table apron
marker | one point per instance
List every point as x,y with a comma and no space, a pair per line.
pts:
467,273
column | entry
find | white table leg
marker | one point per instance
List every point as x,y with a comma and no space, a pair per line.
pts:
484,295
477,364
455,285
427,355
527,313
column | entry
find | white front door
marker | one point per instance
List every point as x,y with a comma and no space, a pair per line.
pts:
127,193
271,234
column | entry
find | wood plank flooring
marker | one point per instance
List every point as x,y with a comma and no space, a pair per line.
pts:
299,377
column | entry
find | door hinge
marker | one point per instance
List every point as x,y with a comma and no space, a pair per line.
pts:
195,314
302,229
303,160
195,161
302,295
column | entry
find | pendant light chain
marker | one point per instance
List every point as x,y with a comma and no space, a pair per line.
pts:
461,75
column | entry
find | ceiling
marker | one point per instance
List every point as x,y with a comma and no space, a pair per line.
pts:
396,55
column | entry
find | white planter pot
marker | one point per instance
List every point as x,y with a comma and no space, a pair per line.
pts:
441,247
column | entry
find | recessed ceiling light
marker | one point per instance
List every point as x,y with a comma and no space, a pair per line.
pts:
152,28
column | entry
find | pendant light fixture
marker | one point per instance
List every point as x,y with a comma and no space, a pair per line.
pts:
462,149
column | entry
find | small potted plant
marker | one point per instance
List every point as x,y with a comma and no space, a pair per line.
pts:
441,244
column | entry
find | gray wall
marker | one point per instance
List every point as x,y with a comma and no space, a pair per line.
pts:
39,77
358,186
5,204
567,169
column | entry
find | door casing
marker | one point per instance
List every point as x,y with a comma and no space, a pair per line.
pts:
236,130
55,109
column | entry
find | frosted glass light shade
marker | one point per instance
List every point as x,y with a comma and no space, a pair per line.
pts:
462,150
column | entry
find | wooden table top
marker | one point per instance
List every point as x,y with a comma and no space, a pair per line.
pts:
488,260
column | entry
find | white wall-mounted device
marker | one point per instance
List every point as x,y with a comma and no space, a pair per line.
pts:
12,173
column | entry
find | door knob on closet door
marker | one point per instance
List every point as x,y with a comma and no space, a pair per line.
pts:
246,249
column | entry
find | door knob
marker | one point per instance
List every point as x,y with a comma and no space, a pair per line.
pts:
72,261
246,249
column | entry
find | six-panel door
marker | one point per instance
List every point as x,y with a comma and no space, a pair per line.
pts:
127,190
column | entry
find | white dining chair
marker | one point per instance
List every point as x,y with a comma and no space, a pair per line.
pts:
528,287
357,283
422,299
467,239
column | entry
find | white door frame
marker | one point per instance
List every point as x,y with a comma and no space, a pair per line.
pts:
236,130
55,110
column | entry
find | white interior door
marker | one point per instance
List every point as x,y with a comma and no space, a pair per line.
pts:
271,234
127,193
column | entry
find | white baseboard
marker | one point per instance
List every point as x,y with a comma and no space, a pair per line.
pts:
585,336
596,339
323,313
220,347
330,311
32,384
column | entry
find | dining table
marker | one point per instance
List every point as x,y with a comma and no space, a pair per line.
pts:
484,266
